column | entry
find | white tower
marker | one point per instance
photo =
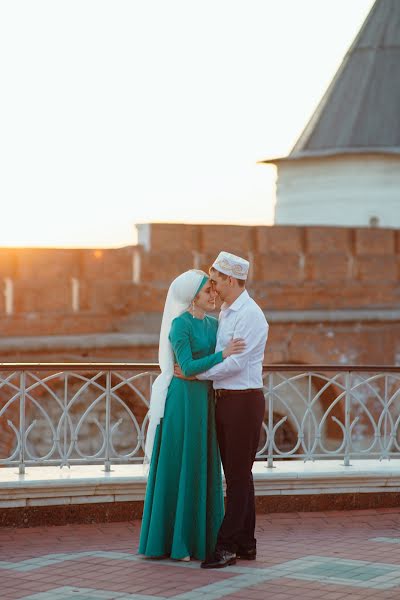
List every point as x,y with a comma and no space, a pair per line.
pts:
345,167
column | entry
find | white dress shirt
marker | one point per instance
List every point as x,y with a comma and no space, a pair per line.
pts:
242,319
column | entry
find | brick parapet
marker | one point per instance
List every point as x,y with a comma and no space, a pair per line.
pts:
293,268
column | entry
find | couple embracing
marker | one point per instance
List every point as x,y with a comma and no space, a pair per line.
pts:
206,406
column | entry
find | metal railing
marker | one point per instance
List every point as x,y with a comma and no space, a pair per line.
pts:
90,413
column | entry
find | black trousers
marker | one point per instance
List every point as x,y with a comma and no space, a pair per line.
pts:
239,416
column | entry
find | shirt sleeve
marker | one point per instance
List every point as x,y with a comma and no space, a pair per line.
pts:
253,329
180,340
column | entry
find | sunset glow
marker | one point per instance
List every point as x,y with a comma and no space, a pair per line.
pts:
118,113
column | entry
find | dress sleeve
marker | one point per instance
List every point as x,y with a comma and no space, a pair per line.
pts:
180,340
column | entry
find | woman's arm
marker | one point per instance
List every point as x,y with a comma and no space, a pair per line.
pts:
180,340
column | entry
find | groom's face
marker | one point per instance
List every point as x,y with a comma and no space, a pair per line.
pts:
221,286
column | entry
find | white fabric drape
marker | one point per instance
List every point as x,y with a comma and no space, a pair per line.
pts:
180,295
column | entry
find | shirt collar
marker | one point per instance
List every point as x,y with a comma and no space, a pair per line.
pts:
240,300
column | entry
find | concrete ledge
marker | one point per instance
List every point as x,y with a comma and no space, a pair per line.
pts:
69,342
88,484
333,316
86,494
110,512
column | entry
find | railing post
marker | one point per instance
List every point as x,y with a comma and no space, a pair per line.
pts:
347,422
107,463
22,422
65,412
386,444
270,454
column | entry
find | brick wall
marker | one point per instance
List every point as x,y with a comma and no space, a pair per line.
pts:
292,268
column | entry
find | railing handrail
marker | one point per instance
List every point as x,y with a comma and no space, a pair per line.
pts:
153,366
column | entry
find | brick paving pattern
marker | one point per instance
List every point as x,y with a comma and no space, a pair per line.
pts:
329,556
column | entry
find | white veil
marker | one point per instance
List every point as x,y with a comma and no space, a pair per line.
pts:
180,295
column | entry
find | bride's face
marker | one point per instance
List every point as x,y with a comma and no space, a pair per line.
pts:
205,299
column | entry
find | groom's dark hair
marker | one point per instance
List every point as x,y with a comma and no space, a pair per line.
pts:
241,282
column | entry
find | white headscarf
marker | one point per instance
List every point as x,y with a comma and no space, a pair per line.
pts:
180,295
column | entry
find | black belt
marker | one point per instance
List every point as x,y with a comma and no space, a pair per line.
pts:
221,393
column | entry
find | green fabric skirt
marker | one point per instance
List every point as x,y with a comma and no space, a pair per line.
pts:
184,508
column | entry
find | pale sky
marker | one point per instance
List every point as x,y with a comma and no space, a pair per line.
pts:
121,112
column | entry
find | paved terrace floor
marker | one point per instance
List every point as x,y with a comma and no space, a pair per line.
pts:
332,555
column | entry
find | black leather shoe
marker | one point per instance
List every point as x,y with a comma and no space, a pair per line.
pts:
249,554
219,560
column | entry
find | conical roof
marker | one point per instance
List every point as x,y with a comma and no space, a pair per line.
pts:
360,112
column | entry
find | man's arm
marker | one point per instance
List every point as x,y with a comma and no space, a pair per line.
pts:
253,328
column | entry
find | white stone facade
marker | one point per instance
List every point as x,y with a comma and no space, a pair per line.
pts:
348,190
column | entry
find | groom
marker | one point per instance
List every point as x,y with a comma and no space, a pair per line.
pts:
240,407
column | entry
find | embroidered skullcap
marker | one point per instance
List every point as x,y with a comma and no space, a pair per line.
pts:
232,265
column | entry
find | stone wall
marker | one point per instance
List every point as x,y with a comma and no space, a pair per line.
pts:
292,268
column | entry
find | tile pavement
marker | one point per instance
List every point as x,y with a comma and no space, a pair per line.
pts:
329,556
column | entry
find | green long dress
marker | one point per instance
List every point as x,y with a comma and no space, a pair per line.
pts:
183,508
